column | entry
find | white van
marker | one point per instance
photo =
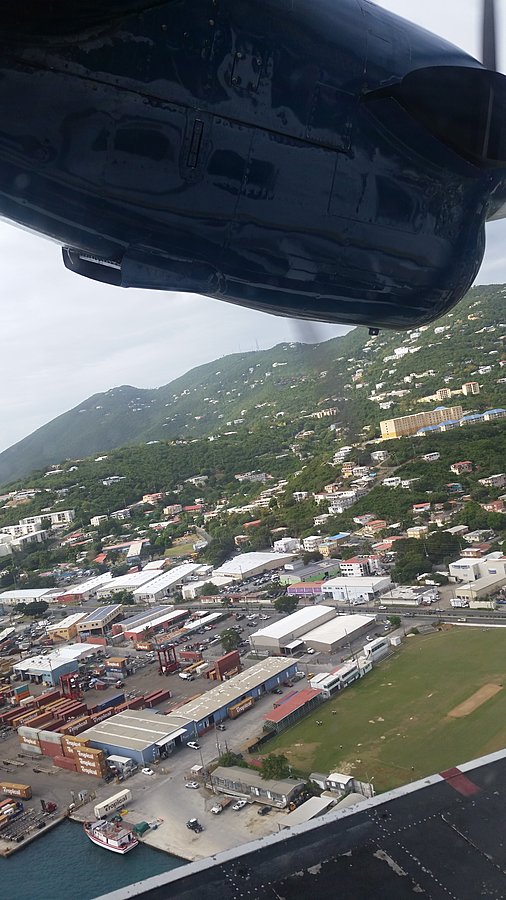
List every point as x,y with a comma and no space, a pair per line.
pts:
187,676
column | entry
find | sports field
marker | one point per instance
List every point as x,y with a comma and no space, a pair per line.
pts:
438,702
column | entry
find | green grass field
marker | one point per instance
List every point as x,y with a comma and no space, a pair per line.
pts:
179,550
394,725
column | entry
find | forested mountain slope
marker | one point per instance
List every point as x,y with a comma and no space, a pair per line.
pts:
352,374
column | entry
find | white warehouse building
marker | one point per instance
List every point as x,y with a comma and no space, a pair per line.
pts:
285,636
160,586
338,632
355,589
246,565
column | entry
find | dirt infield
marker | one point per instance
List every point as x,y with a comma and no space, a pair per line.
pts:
474,701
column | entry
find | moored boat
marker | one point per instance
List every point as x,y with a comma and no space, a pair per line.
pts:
112,836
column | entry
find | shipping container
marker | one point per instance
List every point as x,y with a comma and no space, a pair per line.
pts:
136,703
238,708
156,698
50,749
105,714
28,731
29,741
52,737
47,697
115,700
70,743
27,703
190,655
39,721
75,726
30,749
64,762
16,790
112,803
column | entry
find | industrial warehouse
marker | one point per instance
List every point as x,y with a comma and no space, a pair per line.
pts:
247,565
50,667
284,636
140,735
96,622
317,627
338,632
159,587
145,737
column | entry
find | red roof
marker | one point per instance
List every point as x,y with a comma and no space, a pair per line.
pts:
296,702
101,558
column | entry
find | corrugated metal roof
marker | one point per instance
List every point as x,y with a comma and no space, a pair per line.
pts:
228,692
287,625
300,699
101,613
132,729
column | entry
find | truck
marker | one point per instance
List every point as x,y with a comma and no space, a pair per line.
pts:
112,804
459,604
220,805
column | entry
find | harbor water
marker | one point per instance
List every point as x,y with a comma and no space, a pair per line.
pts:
64,863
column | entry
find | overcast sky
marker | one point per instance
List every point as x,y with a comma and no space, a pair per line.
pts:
64,337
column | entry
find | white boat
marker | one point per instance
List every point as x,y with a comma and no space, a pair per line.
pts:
112,836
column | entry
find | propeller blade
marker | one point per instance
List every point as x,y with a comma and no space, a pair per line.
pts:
489,55
306,332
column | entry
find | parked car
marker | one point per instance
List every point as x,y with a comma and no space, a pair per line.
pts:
240,804
194,825
147,771
221,727
264,810
310,651
193,745
277,691
193,785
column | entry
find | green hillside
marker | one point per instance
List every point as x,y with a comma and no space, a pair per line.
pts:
287,384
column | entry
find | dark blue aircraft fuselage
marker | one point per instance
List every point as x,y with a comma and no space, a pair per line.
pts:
310,158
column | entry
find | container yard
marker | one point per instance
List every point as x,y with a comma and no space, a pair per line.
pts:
50,769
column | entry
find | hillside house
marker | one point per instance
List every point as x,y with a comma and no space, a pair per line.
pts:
459,467
494,481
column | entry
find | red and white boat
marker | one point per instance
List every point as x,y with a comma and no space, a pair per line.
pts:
111,836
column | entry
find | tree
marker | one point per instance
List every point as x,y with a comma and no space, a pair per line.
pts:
230,639
229,758
36,608
395,621
125,597
286,604
219,550
275,766
209,589
311,556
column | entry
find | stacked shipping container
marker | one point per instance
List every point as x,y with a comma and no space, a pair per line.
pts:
9,810
156,697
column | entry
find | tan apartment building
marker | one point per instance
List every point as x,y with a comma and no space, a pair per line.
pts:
406,425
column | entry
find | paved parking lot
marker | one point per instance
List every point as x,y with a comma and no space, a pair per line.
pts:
164,797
